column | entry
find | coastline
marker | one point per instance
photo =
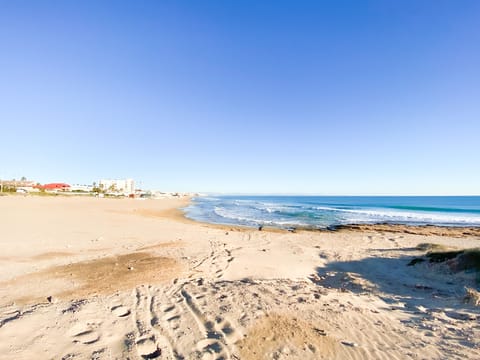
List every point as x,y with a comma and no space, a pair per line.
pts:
156,282
427,230
421,215
178,213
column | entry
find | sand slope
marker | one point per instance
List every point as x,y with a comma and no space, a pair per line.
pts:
94,278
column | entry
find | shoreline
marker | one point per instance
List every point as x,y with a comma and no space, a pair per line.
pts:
178,213
427,229
391,227
106,278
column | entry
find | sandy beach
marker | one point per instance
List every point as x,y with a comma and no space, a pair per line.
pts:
92,278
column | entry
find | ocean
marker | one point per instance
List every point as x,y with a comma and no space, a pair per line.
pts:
320,212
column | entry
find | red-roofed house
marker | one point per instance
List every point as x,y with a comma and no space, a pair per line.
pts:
54,186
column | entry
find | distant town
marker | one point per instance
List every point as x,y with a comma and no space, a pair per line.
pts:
102,188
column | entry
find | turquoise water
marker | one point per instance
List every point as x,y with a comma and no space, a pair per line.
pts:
329,211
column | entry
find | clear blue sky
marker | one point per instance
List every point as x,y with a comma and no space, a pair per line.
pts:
324,97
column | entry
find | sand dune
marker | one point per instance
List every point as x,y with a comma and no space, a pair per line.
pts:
94,278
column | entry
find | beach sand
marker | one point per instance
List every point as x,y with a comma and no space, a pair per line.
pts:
93,278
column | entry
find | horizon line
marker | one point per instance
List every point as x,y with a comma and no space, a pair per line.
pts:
333,195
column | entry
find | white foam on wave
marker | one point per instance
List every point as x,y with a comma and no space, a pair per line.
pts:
426,217
226,214
326,208
256,212
268,207
276,209
419,216
237,216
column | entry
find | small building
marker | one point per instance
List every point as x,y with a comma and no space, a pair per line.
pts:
13,185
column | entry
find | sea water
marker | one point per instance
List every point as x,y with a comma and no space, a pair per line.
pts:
330,211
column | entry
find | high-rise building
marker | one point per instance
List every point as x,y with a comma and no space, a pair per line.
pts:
123,186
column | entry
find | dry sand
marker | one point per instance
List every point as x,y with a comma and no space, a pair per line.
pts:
93,278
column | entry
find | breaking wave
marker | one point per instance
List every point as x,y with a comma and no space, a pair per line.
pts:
322,212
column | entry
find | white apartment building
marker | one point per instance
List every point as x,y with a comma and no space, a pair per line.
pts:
123,186
80,187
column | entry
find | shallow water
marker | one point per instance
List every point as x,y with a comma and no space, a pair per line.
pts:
327,211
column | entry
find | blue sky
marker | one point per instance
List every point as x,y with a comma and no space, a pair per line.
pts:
323,97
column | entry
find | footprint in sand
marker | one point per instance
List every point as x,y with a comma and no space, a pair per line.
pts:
120,311
224,326
167,308
84,334
211,349
171,316
148,348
